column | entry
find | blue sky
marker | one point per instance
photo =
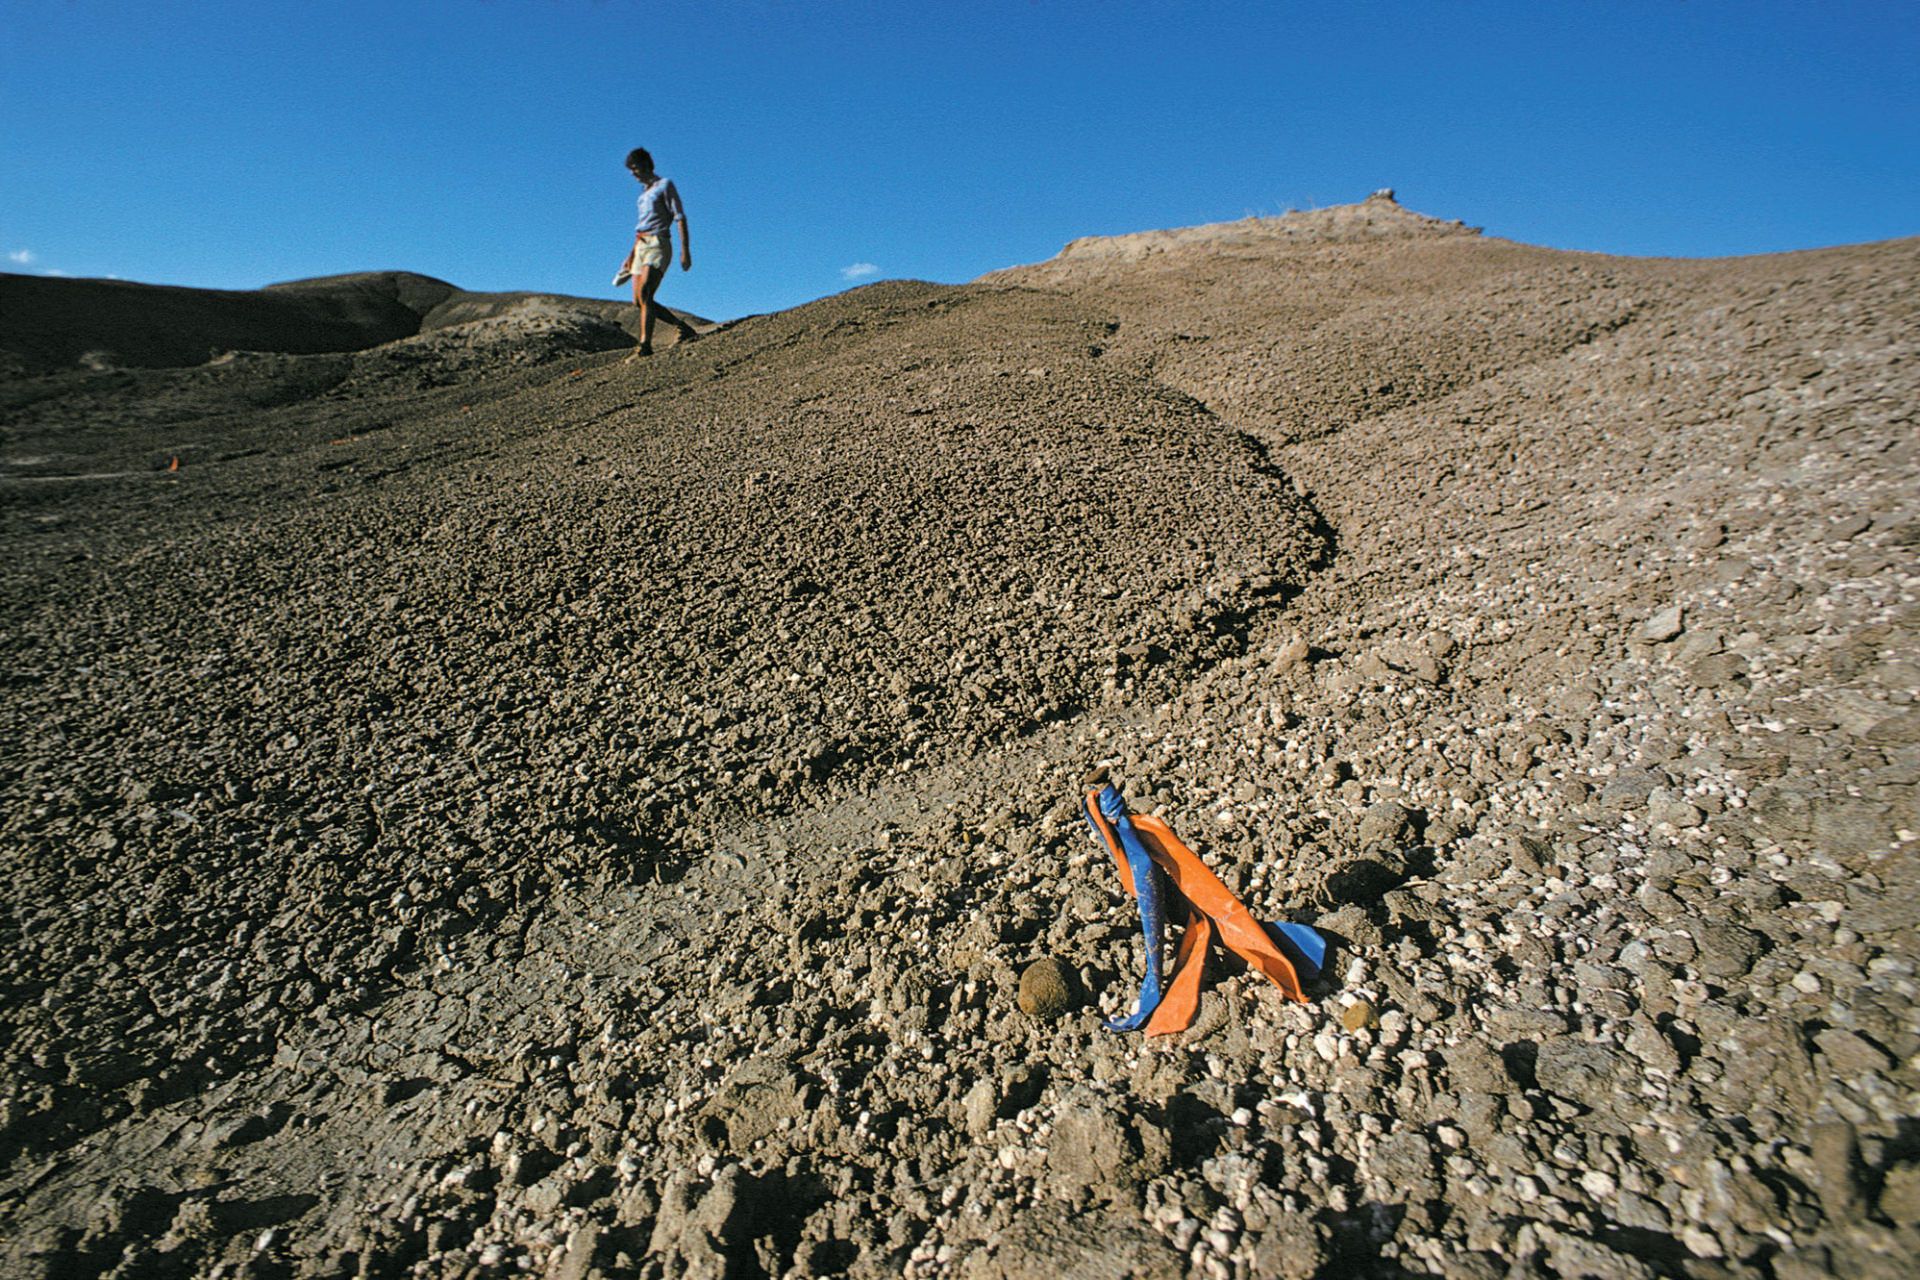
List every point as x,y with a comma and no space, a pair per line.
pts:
229,145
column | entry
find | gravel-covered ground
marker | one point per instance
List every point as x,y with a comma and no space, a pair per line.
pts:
475,805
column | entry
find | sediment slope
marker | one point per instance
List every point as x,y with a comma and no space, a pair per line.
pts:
480,812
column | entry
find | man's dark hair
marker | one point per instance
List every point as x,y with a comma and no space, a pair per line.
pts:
640,159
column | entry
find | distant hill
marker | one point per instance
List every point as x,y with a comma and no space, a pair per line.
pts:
49,323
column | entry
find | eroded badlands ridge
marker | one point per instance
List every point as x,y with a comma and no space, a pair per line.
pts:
494,807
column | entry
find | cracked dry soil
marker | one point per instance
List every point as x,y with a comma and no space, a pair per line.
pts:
491,808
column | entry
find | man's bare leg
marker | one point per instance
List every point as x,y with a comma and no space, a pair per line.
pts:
645,281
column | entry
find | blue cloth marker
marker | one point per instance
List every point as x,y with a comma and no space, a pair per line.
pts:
1153,915
1304,945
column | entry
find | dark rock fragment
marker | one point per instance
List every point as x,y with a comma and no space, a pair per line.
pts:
1293,1247
1386,823
1664,625
1472,1065
1046,988
1725,951
1718,670
1899,1201
1849,1055
1836,1166
1097,1148
1047,1242
751,1104
1363,881
1579,1070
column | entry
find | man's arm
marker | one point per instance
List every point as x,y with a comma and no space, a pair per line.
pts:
680,222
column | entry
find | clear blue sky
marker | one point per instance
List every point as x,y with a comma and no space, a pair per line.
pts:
229,144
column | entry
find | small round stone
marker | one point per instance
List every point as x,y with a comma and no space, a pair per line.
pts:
1359,1015
1046,988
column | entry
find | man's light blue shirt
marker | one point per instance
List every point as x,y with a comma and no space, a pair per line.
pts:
660,208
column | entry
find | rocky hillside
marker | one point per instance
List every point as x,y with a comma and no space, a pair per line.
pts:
475,804
48,324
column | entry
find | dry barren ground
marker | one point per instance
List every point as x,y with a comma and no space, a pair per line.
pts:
475,806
